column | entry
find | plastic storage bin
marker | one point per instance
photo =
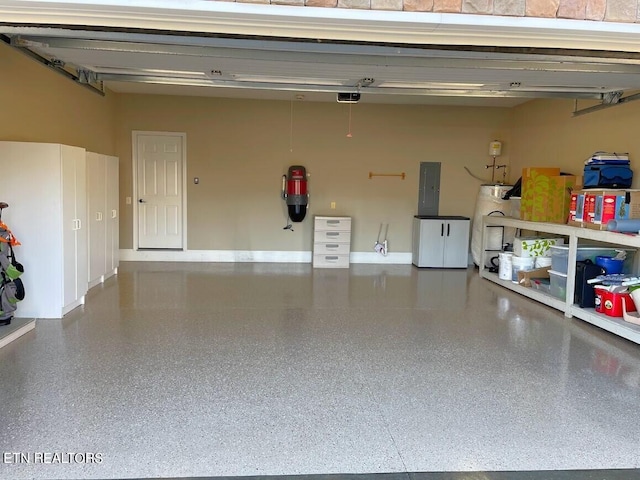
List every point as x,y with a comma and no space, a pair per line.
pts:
560,256
541,284
558,281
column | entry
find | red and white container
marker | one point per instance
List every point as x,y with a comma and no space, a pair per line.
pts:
611,303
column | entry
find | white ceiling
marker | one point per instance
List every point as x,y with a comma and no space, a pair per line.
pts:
218,63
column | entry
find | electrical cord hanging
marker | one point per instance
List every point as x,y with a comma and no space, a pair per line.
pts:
287,224
475,176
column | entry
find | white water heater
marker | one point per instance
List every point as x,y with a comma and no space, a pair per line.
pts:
490,200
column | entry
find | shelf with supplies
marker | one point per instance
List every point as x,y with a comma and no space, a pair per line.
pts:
574,234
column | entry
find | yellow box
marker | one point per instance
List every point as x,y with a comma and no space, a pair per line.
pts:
546,195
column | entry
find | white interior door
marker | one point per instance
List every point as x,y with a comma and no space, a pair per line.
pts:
159,180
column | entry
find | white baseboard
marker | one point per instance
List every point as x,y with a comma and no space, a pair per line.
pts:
29,324
250,256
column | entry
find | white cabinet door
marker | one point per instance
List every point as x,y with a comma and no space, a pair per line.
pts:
69,228
431,241
113,215
74,227
47,198
97,216
456,250
82,238
102,217
35,217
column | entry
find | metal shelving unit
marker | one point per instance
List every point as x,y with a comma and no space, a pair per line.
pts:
614,325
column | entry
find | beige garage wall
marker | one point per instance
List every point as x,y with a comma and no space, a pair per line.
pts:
241,148
40,105
545,133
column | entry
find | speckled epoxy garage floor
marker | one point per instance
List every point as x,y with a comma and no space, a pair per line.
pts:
175,370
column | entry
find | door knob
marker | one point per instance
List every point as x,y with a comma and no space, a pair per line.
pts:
141,201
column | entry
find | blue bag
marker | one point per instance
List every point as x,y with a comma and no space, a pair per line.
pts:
607,176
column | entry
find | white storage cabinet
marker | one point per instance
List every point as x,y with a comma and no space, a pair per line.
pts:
440,242
331,242
45,187
102,221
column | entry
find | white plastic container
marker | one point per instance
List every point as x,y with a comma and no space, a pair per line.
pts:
521,264
505,269
542,262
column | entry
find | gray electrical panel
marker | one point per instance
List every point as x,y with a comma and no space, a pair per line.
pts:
429,193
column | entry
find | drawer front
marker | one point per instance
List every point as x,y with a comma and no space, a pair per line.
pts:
332,236
329,223
331,261
331,248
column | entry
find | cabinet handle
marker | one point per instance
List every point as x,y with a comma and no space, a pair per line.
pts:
332,245
331,258
333,234
114,213
448,228
442,229
79,224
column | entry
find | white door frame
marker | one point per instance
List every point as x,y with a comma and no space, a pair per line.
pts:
134,158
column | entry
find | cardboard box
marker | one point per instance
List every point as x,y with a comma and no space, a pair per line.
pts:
589,206
546,195
576,208
525,276
534,246
612,205
633,203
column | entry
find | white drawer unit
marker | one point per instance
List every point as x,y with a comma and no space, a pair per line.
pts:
331,242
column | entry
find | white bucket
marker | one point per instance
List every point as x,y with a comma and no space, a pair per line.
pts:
542,262
505,266
520,264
